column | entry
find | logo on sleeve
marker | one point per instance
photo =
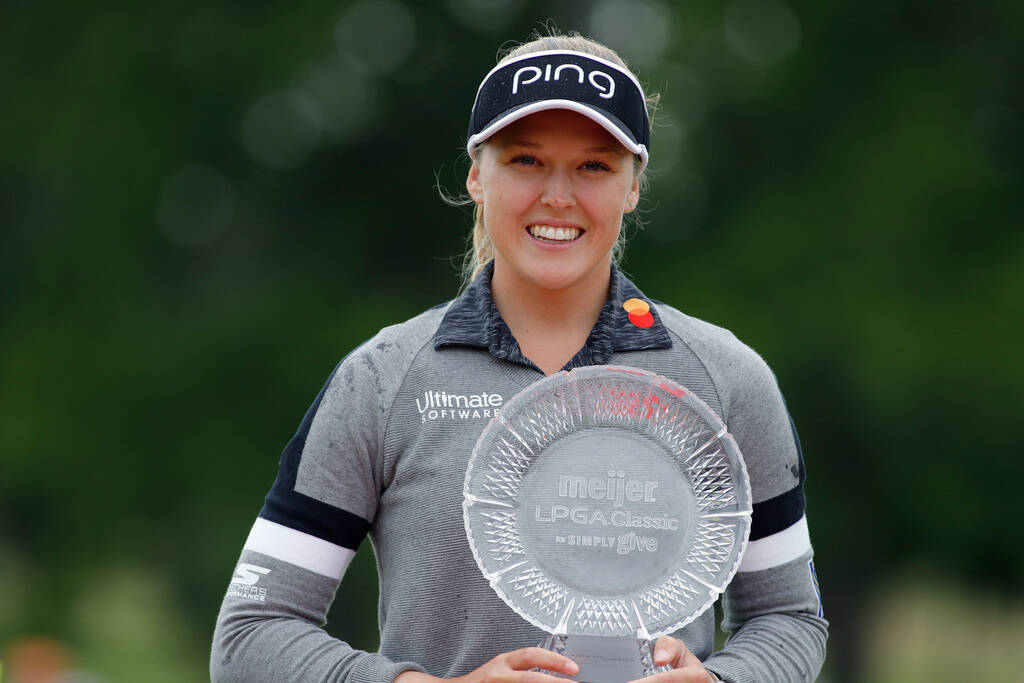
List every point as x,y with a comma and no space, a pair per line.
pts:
817,588
441,405
243,583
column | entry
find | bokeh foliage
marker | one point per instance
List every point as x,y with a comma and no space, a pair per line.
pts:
204,206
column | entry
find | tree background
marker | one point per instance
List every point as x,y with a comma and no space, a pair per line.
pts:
203,206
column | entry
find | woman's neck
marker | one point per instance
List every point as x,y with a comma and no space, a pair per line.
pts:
551,325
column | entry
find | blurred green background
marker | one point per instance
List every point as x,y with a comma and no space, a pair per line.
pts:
204,206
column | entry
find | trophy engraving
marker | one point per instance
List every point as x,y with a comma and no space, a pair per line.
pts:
607,506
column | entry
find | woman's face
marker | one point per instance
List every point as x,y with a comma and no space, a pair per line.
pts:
554,186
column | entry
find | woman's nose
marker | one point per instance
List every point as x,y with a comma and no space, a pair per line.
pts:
558,192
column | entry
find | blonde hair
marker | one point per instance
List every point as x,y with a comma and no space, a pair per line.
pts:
482,249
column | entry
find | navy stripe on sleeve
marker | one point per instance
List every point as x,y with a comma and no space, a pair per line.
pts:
776,514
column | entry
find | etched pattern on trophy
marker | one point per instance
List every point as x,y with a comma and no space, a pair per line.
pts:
663,601
501,535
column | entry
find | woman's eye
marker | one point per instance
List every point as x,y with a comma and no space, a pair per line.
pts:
525,160
595,166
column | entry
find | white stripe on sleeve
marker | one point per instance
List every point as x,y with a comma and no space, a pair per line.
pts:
298,548
779,548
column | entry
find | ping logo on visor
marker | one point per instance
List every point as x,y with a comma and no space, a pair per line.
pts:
599,79
562,79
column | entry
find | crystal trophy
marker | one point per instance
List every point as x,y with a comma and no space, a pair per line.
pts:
607,506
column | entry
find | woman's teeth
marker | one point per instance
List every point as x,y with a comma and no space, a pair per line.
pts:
548,232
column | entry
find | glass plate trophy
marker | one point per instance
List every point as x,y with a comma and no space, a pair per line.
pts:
607,506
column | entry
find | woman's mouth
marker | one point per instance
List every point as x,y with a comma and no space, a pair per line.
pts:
549,233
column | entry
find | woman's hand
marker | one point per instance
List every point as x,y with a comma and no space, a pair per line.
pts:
686,668
509,667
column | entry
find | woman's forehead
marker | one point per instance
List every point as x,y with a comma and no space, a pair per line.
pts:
562,125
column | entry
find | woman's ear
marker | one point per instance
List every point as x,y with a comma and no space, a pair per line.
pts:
473,186
633,196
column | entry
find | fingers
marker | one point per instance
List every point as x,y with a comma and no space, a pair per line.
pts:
537,677
531,657
671,651
686,667
518,667
690,674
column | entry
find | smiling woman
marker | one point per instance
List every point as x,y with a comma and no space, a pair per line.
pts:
632,130
559,138
553,187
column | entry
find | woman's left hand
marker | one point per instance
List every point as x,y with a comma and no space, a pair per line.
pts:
686,668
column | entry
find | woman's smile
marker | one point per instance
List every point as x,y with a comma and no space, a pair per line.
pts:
555,235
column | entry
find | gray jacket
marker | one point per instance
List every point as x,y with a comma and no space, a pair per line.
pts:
383,452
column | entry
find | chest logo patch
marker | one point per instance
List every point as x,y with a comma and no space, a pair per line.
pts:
639,312
443,405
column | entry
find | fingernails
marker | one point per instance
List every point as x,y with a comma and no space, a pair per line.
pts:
661,655
572,668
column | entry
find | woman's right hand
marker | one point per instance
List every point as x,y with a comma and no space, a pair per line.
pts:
508,667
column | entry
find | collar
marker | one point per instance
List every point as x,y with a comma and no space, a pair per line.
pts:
473,320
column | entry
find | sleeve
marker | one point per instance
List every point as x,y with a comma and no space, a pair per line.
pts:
314,517
772,608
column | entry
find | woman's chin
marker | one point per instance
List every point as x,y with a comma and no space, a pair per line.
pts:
562,277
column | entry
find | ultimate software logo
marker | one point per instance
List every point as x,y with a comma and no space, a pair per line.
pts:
440,405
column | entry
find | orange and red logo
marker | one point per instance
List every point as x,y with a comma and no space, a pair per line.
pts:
639,312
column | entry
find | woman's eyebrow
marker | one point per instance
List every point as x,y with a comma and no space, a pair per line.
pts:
522,143
597,149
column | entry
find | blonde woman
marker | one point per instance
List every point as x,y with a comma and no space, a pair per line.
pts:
559,139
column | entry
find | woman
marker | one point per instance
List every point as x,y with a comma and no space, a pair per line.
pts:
559,139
